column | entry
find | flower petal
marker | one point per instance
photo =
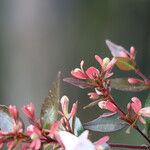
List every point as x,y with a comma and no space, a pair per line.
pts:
145,112
92,72
136,104
102,140
78,73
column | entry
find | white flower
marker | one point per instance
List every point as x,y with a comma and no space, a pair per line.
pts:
71,142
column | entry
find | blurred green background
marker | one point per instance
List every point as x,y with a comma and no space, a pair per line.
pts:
39,38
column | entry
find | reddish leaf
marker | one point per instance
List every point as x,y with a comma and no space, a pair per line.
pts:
78,83
122,84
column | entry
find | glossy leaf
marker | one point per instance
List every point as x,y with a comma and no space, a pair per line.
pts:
78,83
125,63
108,122
49,110
122,84
147,103
6,121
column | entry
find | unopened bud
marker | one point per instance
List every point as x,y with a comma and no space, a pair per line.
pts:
106,61
132,52
134,81
64,105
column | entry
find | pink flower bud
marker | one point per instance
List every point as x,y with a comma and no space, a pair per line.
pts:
13,111
64,105
35,144
99,60
111,107
134,81
29,110
132,52
53,129
136,104
78,73
73,110
108,105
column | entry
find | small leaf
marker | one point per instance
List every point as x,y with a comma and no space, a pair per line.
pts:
147,104
49,110
122,84
78,83
92,104
125,63
107,122
6,121
78,128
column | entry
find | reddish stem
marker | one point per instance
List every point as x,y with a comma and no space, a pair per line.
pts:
129,146
124,114
139,73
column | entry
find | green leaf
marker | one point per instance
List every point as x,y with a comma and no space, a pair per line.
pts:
92,104
147,104
125,63
6,121
78,128
49,110
122,84
107,122
78,83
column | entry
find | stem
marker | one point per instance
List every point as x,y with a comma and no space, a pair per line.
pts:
138,72
121,111
129,146
142,134
113,101
137,128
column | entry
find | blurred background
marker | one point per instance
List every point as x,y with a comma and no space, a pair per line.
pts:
39,38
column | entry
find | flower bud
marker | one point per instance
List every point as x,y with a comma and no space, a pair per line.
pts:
106,61
64,105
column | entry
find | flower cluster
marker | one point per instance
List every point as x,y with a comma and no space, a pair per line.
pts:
96,77
34,136
69,137
62,134
61,129
99,80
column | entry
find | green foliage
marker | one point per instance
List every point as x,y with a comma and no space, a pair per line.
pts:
107,122
49,110
78,128
122,84
6,121
125,63
78,83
